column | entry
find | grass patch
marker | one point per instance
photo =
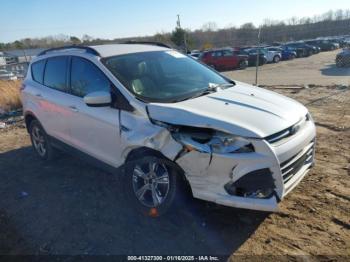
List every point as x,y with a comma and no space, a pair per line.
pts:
9,95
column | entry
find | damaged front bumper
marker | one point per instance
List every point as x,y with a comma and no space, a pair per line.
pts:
285,164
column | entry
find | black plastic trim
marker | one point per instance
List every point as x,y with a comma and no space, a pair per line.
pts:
86,48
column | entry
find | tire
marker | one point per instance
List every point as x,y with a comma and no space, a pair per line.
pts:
276,59
292,57
242,65
153,186
40,141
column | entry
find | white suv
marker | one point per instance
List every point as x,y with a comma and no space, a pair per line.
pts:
170,121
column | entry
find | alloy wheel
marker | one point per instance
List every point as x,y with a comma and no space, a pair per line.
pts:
38,139
151,183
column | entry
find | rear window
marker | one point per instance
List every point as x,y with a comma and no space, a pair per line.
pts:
56,73
38,71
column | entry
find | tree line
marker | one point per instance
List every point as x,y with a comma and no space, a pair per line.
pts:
331,23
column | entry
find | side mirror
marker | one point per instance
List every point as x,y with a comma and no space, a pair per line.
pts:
98,99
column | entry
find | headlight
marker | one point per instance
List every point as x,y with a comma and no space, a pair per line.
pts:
211,141
308,117
226,143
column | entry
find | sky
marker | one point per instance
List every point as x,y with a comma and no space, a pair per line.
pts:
124,18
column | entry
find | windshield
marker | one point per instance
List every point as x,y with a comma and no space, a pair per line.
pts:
162,76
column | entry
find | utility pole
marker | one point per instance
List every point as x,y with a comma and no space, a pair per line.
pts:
178,23
257,58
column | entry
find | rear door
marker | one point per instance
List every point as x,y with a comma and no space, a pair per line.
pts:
217,59
94,130
53,98
229,60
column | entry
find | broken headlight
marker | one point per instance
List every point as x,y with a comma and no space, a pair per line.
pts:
226,143
211,141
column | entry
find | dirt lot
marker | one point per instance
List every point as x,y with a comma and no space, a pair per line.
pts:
69,207
318,69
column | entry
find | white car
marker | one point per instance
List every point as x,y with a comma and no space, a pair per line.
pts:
6,75
171,122
272,56
195,54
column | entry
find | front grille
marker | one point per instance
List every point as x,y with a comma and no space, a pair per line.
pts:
292,166
286,133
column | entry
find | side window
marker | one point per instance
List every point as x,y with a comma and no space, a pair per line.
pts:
56,73
38,71
87,78
218,53
227,53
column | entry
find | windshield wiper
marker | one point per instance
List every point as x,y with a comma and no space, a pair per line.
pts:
225,85
212,88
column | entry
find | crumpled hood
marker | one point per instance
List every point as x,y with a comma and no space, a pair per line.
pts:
242,110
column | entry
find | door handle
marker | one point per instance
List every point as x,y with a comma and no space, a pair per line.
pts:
73,108
39,95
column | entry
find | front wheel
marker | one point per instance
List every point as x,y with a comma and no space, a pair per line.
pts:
152,185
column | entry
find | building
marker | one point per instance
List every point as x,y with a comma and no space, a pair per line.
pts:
21,55
17,61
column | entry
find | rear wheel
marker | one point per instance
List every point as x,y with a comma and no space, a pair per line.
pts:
242,65
40,141
276,59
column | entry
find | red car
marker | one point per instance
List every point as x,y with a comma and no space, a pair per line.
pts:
224,59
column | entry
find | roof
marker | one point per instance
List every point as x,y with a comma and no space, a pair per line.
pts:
121,49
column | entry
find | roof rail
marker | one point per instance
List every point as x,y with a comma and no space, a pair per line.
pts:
87,48
147,43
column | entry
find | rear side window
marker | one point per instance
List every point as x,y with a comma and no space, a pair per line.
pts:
56,73
38,71
227,53
87,78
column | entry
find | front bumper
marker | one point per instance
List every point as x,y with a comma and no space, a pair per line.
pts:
288,161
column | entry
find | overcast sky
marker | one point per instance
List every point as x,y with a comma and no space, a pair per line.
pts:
116,18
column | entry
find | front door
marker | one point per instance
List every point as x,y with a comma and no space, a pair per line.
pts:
94,130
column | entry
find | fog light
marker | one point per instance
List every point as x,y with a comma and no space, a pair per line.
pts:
256,184
260,193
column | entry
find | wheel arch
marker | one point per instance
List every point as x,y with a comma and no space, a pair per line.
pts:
28,118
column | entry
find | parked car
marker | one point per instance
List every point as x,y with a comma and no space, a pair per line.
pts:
6,75
324,45
302,49
195,54
271,55
252,56
171,122
343,58
336,42
224,59
285,53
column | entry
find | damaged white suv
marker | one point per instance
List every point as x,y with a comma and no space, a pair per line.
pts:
167,118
